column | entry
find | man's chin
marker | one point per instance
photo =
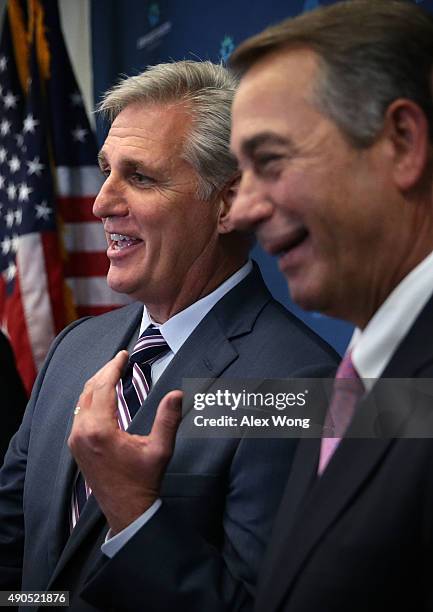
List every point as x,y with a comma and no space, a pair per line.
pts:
119,286
306,297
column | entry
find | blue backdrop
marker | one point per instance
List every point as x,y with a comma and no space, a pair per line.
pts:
128,35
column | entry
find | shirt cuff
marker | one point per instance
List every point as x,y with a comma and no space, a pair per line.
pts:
112,545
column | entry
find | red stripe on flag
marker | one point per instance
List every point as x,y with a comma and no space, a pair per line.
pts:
86,264
54,271
76,209
14,320
94,311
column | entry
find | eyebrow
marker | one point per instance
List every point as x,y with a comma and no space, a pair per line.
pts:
125,163
265,138
101,158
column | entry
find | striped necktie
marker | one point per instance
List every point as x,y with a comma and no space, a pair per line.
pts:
346,393
132,389
134,386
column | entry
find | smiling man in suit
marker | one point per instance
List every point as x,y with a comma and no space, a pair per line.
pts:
332,127
201,310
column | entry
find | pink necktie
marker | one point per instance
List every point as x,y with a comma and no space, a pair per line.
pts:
347,391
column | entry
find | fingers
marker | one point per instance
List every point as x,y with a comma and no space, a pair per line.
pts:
110,373
96,422
167,420
102,386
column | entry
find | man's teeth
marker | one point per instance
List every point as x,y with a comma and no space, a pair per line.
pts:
118,237
121,241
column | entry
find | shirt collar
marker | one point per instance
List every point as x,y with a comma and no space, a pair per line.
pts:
373,347
180,326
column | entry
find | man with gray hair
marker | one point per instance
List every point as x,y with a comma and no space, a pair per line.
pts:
115,533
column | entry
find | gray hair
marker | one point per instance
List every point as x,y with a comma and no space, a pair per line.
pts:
208,90
370,54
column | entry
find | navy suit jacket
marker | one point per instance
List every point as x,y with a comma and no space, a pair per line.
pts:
203,548
360,537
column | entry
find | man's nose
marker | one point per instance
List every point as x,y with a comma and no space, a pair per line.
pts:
251,206
110,200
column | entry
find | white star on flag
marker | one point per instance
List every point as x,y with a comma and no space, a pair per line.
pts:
14,164
10,101
15,242
20,140
3,63
18,216
11,191
79,134
35,167
43,211
11,271
5,127
2,181
3,154
10,216
6,245
29,124
24,192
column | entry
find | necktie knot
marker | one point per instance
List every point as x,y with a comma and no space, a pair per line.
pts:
134,387
346,369
149,347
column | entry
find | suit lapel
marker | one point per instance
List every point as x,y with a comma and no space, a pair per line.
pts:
301,479
206,354
106,347
324,502
311,505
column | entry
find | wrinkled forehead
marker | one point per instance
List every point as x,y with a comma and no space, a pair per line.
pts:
286,72
280,83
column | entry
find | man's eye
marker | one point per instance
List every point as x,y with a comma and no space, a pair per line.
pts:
105,172
264,160
141,179
267,163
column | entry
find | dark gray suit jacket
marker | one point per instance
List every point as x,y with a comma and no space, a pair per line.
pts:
360,537
203,548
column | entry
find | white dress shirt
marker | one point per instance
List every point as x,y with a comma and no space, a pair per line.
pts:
373,347
175,332
178,328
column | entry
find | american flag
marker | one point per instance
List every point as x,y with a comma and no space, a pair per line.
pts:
52,249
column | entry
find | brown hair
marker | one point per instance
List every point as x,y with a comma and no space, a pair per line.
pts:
370,53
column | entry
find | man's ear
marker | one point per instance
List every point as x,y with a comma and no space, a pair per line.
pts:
226,199
407,129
